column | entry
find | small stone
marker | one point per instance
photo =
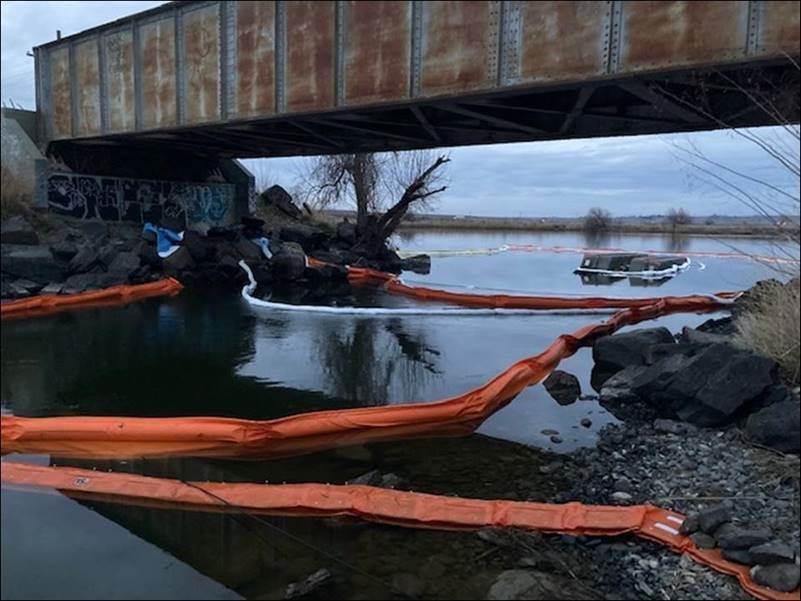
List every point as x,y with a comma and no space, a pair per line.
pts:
671,426
772,552
690,524
703,540
782,577
549,432
552,467
621,497
623,485
556,439
730,536
712,518
586,422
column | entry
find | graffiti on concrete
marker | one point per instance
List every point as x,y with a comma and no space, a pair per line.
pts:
119,199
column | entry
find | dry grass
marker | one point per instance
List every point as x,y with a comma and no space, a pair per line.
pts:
15,199
772,326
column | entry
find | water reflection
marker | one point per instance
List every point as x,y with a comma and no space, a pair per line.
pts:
599,279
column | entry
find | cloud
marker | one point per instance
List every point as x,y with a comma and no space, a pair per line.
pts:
626,175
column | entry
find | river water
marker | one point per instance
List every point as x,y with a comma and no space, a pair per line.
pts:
194,355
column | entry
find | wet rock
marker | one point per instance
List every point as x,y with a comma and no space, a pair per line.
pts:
84,260
730,536
563,387
289,262
148,255
35,263
15,230
586,422
177,262
772,552
125,263
782,577
303,590
549,432
93,230
534,584
23,287
623,484
376,478
418,264
556,439
612,354
777,426
553,467
282,200
703,540
713,387
712,518
741,556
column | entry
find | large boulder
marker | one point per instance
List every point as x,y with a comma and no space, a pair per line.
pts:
199,246
82,282
15,230
85,259
777,426
124,264
612,354
289,262
34,263
309,237
248,250
282,200
717,385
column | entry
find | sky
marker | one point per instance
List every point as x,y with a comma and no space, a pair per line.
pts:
642,175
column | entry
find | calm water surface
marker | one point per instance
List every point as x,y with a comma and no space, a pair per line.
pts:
192,355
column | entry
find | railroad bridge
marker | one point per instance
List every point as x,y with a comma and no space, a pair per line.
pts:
214,80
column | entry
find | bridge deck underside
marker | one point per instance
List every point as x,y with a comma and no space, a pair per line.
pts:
739,96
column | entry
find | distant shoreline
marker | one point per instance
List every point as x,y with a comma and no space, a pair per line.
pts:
741,227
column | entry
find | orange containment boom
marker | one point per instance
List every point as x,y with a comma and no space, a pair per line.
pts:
386,506
125,437
47,304
394,285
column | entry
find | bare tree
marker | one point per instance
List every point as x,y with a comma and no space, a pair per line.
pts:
677,217
372,182
597,220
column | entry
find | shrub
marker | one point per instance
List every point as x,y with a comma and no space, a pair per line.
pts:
597,220
771,325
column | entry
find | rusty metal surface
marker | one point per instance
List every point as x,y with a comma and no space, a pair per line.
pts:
377,50
672,34
120,81
202,64
455,43
60,104
562,40
157,56
779,28
87,72
310,56
255,30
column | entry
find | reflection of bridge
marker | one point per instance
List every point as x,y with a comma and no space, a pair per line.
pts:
290,78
